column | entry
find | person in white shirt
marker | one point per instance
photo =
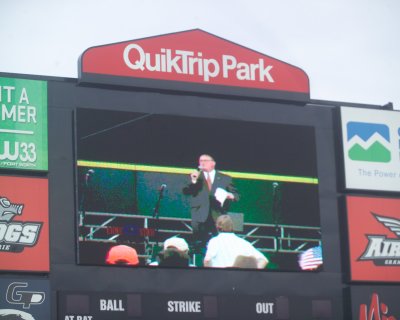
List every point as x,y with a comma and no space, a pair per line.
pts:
228,250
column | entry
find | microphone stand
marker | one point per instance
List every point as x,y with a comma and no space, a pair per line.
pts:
276,205
156,214
82,205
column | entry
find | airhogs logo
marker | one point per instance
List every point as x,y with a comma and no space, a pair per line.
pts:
368,142
16,235
384,251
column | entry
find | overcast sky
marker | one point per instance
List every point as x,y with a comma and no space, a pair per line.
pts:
350,49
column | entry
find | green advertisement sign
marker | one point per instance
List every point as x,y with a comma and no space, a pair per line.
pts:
23,124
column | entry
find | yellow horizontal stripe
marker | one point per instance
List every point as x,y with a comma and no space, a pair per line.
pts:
240,175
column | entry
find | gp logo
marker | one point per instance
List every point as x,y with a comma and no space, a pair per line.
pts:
25,298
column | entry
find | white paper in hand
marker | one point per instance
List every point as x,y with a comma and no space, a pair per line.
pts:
221,195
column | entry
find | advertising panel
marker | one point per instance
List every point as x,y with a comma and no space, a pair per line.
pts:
374,245
24,226
121,306
192,57
371,149
23,124
147,195
24,299
375,302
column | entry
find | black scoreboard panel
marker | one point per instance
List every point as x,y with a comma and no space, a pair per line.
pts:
125,306
219,290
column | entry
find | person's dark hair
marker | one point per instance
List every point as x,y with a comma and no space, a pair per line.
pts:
172,257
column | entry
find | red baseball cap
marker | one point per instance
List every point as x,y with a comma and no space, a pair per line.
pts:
122,254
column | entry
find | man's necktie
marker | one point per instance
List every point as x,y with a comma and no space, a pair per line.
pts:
208,179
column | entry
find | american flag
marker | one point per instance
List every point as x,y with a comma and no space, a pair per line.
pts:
311,259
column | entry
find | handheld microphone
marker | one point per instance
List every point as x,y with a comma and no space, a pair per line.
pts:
195,174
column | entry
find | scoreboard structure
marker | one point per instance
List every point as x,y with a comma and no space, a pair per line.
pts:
93,172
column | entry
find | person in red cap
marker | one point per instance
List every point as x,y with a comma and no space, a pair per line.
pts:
122,255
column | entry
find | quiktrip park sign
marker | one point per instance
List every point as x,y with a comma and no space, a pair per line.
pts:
192,57
23,124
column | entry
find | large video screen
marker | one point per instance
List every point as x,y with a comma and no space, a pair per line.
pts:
156,190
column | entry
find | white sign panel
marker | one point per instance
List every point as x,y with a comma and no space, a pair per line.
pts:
371,148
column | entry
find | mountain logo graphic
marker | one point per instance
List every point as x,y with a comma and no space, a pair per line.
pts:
368,142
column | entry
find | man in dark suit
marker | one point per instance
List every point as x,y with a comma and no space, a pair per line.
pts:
211,193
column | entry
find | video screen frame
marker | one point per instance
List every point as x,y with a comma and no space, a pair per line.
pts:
282,240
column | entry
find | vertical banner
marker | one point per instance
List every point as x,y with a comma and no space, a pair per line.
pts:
374,244
24,226
23,124
24,299
371,149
